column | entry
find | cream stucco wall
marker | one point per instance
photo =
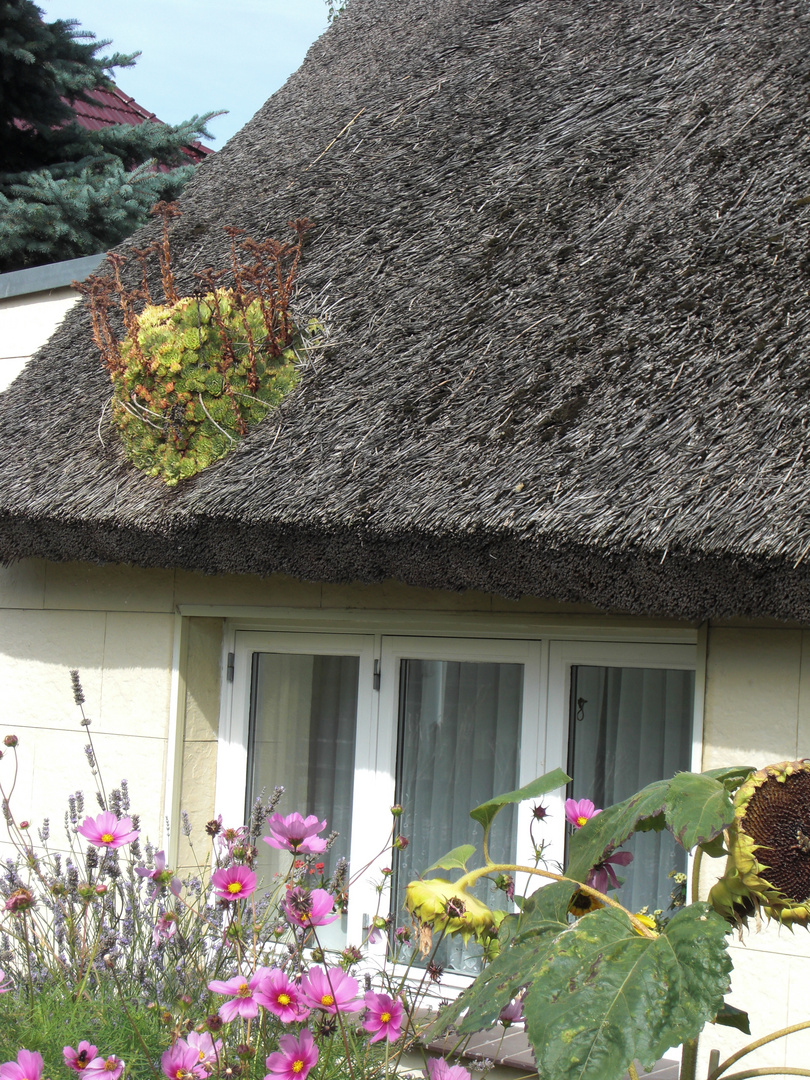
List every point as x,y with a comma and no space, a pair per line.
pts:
120,626
26,323
757,712
116,627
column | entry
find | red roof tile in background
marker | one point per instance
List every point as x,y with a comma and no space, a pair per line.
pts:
113,106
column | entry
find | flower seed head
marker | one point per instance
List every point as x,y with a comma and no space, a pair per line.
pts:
769,846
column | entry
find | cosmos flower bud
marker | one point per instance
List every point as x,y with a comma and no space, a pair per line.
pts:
441,904
769,847
20,900
11,740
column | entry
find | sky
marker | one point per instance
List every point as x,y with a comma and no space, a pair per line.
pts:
198,56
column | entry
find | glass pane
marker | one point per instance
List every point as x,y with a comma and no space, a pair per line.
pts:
627,728
459,743
303,716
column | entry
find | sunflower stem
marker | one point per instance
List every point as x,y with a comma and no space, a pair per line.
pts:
765,1070
755,1045
470,878
696,874
689,1059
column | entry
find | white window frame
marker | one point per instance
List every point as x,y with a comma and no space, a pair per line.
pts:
547,649
565,655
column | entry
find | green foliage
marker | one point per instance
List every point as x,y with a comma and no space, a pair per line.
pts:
65,190
335,8
456,859
44,66
485,813
606,988
525,941
47,219
194,374
695,807
179,402
53,1020
603,996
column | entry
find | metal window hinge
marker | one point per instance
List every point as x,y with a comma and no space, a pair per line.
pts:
231,658
375,682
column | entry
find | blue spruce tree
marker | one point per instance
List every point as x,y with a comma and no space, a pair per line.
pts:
66,190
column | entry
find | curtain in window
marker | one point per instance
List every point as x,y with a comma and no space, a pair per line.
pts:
627,728
303,718
459,739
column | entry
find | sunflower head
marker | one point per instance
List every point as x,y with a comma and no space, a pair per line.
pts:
769,846
441,904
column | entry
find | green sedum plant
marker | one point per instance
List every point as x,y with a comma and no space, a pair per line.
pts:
194,374
177,404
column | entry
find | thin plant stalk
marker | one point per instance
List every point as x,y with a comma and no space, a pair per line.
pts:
755,1045
133,1025
689,1051
338,1016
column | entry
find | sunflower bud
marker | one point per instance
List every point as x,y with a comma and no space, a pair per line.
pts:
769,847
438,902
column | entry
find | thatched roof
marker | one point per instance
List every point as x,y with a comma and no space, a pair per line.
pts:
563,245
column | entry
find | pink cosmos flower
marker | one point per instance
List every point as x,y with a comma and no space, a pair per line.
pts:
578,812
234,882
438,1069
162,877
233,842
104,1068
181,1062
107,831
603,873
5,986
208,1051
280,996
28,1066
294,1058
511,1013
241,989
383,1018
165,927
294,833
78,1060
330,990
309,907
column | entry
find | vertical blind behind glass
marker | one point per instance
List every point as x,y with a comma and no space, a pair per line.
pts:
459,740
303,718
627,728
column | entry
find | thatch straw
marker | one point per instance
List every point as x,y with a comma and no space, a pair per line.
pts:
564,246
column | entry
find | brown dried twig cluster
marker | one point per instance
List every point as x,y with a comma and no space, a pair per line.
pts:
259,271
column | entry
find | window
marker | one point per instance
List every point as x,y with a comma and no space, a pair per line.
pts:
630,722
350,724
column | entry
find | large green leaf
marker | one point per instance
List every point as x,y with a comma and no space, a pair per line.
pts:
601,996
454,860
731,1016
613,826
541,786
698,808
549,903
732,776
695,807
524,946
